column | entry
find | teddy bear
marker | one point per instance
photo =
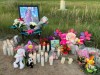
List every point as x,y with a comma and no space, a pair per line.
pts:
19,58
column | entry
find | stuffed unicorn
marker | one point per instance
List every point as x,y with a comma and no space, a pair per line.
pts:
19,58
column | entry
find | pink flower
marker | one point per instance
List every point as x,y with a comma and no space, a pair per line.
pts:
63,41
57,30
83,53
30,31
85,36
63,36
20,19
18,47
72,30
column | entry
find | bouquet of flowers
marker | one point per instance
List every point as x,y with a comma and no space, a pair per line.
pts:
70,38
18,23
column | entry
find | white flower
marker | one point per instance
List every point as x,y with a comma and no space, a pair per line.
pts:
33,23
16,21
71,37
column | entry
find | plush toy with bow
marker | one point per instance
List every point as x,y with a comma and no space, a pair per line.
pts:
19,58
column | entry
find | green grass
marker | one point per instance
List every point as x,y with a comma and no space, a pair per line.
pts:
80,15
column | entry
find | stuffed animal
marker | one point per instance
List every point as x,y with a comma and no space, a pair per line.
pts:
30,63
19,58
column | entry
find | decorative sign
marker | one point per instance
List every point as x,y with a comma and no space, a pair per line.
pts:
54,43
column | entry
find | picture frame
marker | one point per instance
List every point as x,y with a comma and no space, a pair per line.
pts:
30,13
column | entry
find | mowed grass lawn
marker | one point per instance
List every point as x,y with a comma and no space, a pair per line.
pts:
80,15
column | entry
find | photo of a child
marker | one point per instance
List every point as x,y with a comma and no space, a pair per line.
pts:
29,14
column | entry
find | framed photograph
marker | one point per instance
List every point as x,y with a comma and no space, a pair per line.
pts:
29,13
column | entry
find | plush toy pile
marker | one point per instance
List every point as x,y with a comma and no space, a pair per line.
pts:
56,46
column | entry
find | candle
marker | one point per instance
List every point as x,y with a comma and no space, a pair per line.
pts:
34,54
44,44
8,48
42,60
58,52
46,56
38,57
70,60
39,47
4,48
48,47
62,60
51,60
42,53
43,48
11,50
12,42
34,58
39,51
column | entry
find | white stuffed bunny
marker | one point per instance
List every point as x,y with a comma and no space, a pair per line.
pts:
19,58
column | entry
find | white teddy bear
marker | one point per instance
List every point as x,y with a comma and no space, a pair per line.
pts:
19,58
